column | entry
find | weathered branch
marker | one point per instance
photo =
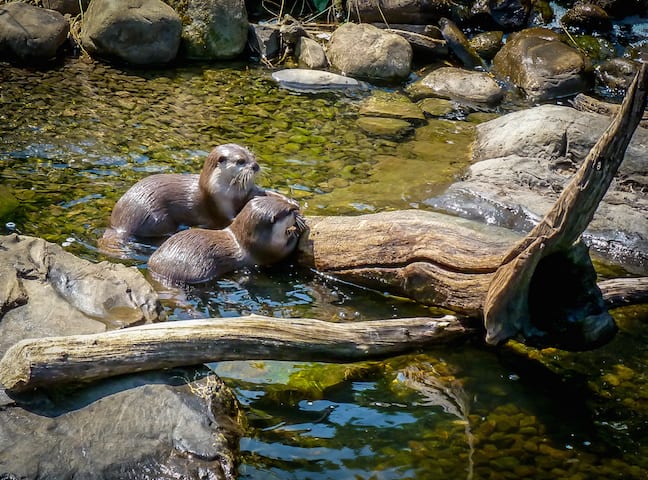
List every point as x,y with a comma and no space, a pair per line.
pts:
507,304
47,361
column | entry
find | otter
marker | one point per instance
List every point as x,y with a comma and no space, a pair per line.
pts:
160,204
264,232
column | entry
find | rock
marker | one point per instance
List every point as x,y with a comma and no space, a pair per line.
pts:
436,107
69,7
487,44
617,73
399,11
47,291
524,159
391,105
303,79
140,32
212,29
587,17
542,66
385,127
153,425
264,41
31,34
366,51
459,44
310,54
505,14
457,84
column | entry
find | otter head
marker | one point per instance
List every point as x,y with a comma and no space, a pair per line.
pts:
229,166
269,227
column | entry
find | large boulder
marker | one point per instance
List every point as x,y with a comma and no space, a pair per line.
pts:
537,61
464,86
524,160
46,291
212,29
140,32
31,33
361,50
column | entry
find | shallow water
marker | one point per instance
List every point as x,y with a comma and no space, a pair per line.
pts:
73,139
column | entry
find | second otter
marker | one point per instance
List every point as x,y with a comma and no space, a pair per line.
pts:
264,232
158,205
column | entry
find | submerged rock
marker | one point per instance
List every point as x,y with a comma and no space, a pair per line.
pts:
31,33
140,32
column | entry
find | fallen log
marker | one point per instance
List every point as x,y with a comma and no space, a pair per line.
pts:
49,361
542,289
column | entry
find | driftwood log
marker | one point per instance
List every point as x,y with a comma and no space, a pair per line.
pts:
52,360
542,287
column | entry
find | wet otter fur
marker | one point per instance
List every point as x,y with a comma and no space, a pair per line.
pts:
265,232
160,204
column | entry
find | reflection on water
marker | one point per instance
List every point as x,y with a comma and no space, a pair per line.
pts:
75,138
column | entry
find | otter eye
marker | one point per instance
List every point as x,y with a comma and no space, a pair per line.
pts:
240,161
222,159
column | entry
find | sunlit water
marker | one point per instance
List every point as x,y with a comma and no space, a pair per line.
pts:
74,138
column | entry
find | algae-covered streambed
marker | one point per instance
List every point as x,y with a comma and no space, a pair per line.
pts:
74,138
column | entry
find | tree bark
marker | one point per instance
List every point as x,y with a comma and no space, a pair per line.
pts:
48,361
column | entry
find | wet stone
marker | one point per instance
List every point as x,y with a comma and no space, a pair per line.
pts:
385,127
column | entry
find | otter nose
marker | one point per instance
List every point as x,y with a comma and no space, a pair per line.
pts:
255,166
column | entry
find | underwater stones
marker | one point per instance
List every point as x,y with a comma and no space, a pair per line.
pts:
303,79
385,127
140,32
30,33
458,84
365,51
436,107
389,115
544,67
213,29
8,203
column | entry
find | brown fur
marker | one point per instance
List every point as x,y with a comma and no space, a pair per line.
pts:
265,232
160,204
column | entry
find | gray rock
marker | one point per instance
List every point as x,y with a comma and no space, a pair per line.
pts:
310,54
304,79
524,160
264,41
70,7
617,73
544,67
155,425
213,29
47,291
140,32
31,33
366,51
457,84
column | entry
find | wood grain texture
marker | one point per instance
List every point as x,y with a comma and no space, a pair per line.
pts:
48,361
